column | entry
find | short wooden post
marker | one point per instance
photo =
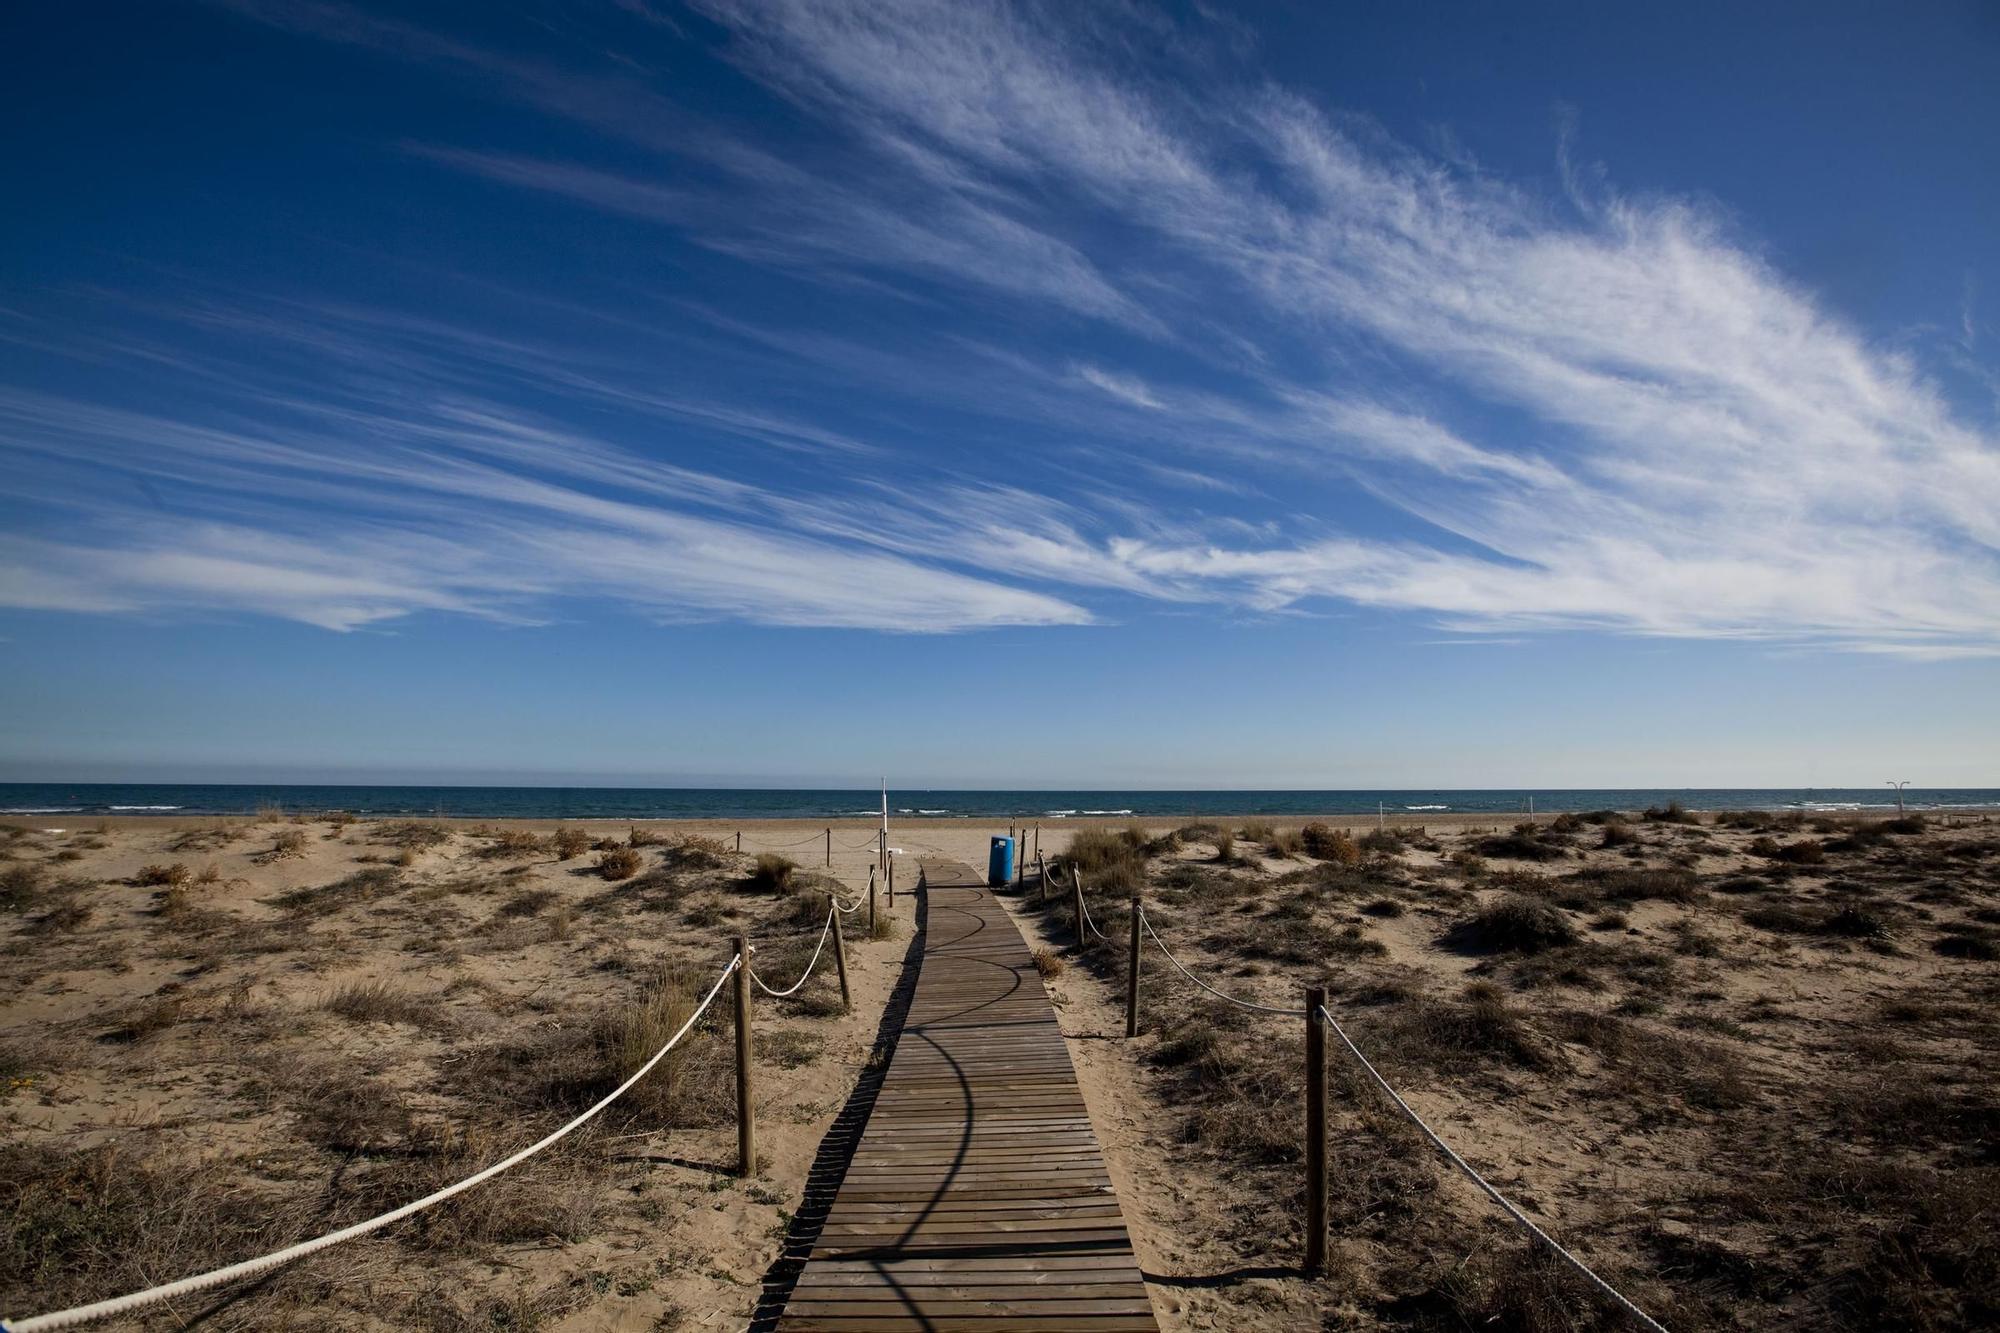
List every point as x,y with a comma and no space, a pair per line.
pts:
1020,865
829,846
892,879
871,901
840,953
1132,976
746,1128
739,840
1082,943
1315,1134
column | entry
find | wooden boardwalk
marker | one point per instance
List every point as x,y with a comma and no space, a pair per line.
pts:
977,1198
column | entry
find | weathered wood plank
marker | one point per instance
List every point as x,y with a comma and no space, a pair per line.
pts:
977,1199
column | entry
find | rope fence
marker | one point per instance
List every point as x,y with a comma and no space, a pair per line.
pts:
1147,925
824,931
138,1300
1542,1237
1315,1013
738,966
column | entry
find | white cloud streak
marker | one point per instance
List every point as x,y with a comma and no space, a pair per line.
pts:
442,512
1710,452
1603,411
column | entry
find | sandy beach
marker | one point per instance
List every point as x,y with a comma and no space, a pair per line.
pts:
220,1035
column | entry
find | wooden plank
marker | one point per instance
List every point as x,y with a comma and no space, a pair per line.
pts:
977,1199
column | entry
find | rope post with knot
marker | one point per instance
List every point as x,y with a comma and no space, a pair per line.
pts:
871,902
1076,909
840,956
1132,976
1315,1133
746,1126
891,858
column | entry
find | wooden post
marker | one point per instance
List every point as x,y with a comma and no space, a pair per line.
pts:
840,953
746,1128
1038,842
892,879
1082,942
829,846
1020,864
871,902
739,840
1315,1134
1132,976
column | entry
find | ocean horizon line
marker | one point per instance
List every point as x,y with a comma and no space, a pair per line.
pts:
375,800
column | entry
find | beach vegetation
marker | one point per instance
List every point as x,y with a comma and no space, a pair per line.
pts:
20,887
413,834
1109,862
1517,923
1324,843
772,873
618,862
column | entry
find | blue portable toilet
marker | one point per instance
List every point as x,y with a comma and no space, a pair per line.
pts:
1000,863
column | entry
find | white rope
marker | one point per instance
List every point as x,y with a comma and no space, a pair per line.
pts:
1241,1004
845,911
1086,916
824,931
787,846
1480,1181
154,1295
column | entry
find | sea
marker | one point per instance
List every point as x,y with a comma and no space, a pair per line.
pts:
36,799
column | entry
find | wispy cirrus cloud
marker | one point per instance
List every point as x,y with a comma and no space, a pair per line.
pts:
1707,451
1600,410
465,508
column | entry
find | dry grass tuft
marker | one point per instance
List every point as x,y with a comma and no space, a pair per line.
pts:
288,845
1516,923
169,876
1048,962
569,843
513,844
772,873
20,887
1329,844
1110,862
381,1002
366,885
616,863
413,835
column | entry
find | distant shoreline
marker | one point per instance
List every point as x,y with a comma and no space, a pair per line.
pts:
852,826
848,808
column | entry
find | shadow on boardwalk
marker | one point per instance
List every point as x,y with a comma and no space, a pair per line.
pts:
836,1150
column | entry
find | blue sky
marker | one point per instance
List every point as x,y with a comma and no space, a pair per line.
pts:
991,395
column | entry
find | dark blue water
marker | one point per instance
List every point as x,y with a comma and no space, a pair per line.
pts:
33,798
